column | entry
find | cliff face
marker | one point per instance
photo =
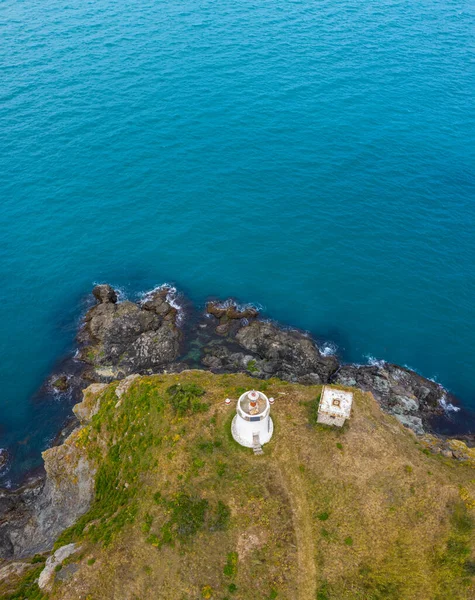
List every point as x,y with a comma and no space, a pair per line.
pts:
32,518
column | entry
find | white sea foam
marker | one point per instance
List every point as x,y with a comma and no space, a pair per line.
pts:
121,293
448,406
374,362
172,298
241,307
328,349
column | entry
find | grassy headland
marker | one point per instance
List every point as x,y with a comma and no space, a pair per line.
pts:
182,512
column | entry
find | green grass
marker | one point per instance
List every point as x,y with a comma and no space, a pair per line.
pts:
252,366
231,566
454,561
174,491
185,398
118,476
27,588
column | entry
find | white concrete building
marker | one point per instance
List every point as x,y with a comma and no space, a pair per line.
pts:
252,426
334,407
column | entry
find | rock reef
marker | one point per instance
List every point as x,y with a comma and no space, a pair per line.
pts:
127,337
121,338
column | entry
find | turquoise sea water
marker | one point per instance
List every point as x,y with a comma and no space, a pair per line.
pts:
316,157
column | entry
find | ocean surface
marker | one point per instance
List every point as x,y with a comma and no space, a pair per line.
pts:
314,157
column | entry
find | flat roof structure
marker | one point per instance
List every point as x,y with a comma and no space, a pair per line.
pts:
334,404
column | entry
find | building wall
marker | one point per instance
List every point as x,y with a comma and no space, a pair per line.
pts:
243,430
328,420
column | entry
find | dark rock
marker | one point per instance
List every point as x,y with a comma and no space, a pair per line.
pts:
16,508
290,355
127,326
222,329
222,359
156,302
126,337
105,294
152,349
394,386
33,516
67,572
61,383
4,458
120,339
230,311
400,391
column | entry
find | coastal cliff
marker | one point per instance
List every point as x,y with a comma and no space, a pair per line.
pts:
32,518
179,510
131,354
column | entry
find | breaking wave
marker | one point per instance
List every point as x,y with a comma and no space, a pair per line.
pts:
328,349
172,297
240,306
448,406
374,362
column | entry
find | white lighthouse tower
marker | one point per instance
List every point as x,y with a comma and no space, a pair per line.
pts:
252,426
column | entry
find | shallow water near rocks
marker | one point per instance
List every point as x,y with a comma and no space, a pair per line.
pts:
313,157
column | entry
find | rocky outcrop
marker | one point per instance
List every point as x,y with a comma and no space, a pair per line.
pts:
220,358
265,350
90,404
105,294
449,448
125,337
400,391
60,383
32,517
288,354
229,316
13,569
46,579
122,338
125,384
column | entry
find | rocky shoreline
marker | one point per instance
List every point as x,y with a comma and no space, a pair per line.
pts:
119,339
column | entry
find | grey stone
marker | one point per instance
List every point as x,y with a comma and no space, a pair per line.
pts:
412,422
45,581
104,294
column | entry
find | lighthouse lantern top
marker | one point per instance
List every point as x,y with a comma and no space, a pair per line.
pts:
253,404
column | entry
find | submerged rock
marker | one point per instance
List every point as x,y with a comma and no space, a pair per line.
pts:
4,458
231,311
